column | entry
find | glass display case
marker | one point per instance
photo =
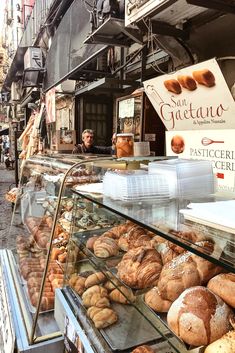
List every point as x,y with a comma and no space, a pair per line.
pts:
85,264
127,261
28,245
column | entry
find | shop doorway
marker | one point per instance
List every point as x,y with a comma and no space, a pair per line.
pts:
95,112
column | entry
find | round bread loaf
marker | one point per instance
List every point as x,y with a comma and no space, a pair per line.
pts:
224,286
199,317
225,344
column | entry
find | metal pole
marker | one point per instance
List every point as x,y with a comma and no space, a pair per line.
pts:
16,158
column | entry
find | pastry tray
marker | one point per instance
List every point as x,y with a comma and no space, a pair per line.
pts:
132,329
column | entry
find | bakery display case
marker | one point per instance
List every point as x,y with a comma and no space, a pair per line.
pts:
28,247
139,275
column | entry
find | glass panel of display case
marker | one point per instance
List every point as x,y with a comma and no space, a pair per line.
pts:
162,215
29,240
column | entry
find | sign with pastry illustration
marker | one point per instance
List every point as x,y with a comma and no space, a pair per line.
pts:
194,98
217,146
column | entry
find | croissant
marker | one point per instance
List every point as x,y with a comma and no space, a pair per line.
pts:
95,289
95,299
135,238
95,278
154,300
140,268
122,295
105,247
110,285
102,317
90,242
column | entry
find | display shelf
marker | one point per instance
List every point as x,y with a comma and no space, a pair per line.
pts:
164,219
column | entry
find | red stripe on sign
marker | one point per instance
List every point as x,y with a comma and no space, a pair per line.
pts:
220,175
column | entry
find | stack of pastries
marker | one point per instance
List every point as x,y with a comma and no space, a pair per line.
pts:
32,271
98,291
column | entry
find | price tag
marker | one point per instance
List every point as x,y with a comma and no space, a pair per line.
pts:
72,341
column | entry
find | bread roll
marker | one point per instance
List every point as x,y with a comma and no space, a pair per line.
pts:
204,77
122,295
102,317
224,286
199,316
173,85
77,283
143,349
45,301
154,300
185,271
187,82
35,274
95,278
32,282
140,268
105,247
225,344
36,289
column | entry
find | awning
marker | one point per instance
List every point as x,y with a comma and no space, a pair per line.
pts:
68,55
4,132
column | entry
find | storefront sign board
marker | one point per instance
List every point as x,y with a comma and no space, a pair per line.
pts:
202,106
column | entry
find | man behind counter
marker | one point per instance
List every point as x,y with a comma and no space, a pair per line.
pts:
87,145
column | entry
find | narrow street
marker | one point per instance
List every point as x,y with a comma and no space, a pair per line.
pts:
6,182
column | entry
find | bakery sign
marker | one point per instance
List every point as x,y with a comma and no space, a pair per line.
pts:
218,146
196,97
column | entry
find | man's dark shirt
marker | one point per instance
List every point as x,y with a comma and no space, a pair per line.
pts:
81,148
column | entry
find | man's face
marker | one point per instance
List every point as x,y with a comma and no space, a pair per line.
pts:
88,139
